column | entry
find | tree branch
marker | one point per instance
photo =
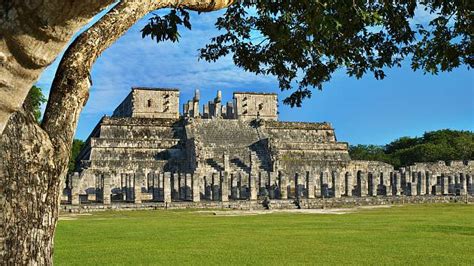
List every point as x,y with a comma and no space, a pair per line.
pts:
70,87
32,34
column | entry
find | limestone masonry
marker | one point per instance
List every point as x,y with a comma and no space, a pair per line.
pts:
148,151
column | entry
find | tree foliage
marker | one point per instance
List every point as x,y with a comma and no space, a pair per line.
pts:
77,146
302,43
34,100
166,28
444,145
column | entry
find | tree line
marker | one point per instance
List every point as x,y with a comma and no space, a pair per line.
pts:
439,145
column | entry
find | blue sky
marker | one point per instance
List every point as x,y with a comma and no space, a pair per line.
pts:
364,111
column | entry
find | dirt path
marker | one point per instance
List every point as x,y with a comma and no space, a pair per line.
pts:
304,211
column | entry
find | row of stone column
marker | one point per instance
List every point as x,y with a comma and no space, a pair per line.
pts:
274,185
222,186
411,184
427,183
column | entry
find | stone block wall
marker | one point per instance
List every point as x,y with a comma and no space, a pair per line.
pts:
249,106
150,103
452,167
237,139
297,146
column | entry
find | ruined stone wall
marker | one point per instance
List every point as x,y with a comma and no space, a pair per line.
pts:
299,147
441,167
156,103
125,146
235,138
150,103
248,106
125,107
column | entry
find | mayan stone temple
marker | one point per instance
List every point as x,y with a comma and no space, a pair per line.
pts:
237,153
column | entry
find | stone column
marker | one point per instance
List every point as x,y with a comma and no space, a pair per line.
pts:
440,183
362,185
98,187
175,186
317,183
410,178
297,185
336,183
75,188
422,181
106,189
240,185
124,186
324,184
233,186
462,185
225,160
413,189
373,189
272,177
224,187
253,166
379,184
310,185
215,186
137,186
445,184
131,187
429,183
182,186
189,187
167,187
451,185
349,183
262,181
156,186
253,186
208,187
386,184
283,186
469,185
196,193
457,184
398,184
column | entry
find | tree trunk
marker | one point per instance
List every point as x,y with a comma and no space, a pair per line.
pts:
30,180
34,158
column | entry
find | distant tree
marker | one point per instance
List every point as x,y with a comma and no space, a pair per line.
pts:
401,143
441,145
77,146
34,100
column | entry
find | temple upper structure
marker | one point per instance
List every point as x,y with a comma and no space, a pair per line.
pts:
149,103
244,106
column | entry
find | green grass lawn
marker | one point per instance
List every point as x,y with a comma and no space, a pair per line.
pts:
416,234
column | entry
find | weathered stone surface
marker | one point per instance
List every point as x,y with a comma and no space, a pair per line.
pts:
150,103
